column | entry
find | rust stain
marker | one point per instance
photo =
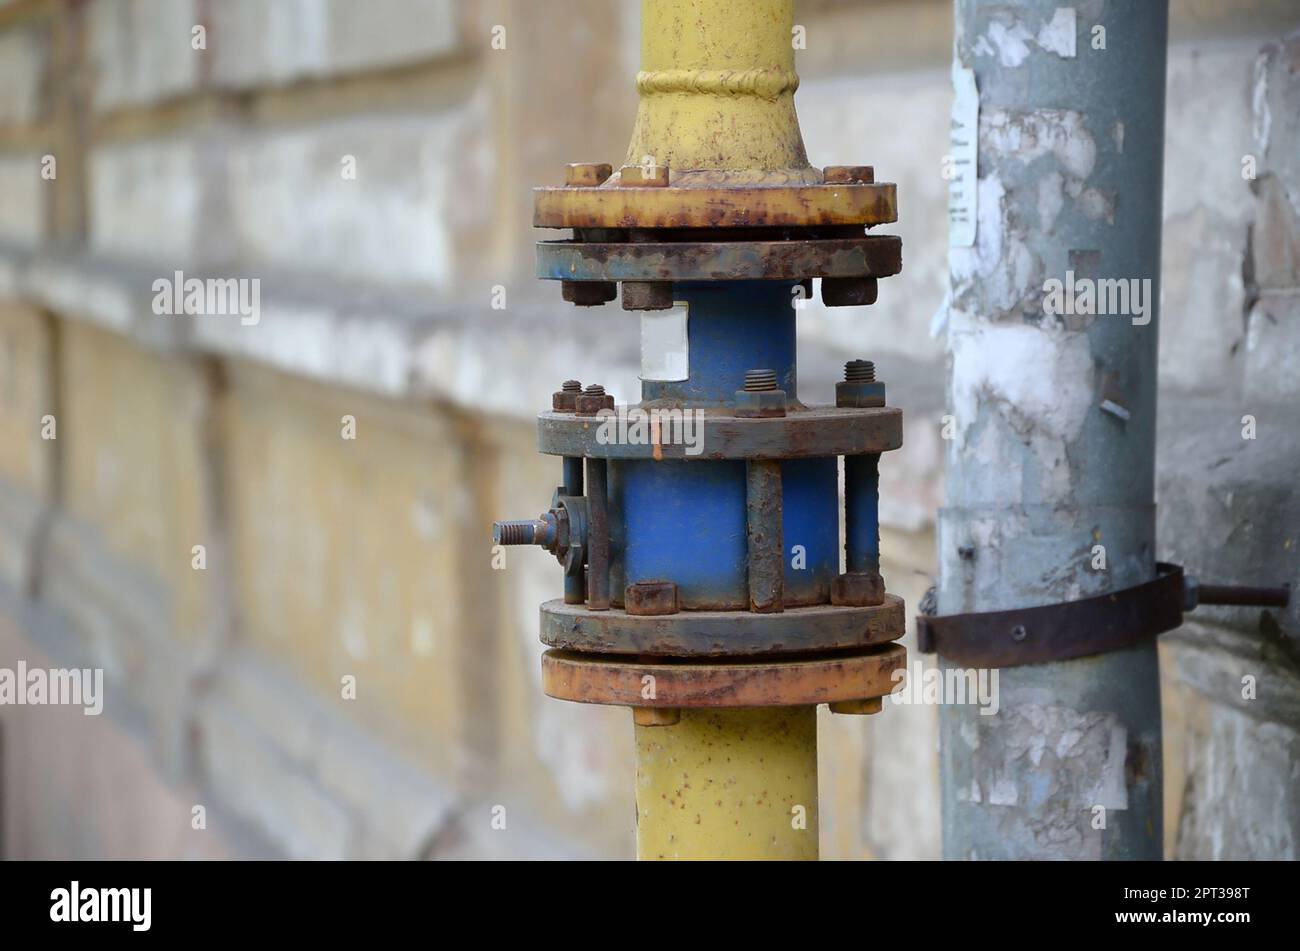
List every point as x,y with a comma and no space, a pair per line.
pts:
714,632
806,682
804,432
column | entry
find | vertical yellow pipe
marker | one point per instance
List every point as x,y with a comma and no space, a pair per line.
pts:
716,89
717,86
728,784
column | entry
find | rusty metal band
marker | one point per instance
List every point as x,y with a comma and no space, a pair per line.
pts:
796,260
790,683
1056,632
764,536
822,627
598,534
715,206
802,434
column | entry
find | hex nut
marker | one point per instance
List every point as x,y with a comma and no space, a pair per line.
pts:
860,395
651,598
587,174
849,175
643,176
759,404
656,716
858,589
647,295
564,400
589,404
588,293
849,291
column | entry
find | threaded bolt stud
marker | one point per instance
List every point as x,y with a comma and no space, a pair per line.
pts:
758,381
523,531
859,371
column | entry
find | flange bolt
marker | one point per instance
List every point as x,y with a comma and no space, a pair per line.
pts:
761,397
860,389
592,400
564,399
522,531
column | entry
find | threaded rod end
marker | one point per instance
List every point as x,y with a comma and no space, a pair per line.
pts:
859,371
524,531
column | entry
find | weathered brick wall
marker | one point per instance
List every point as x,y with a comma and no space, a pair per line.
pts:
1230,448
328,558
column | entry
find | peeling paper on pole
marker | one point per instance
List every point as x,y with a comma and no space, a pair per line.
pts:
1051,768
1059,35
1041,413
1009,41
963,148
963,175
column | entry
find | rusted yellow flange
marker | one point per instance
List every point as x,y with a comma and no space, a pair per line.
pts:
716,206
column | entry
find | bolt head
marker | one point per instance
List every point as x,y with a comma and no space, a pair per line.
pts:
1018,633
589,404
587,174
848,291
656,716
647,295
759,404
563,402
849,175
858,589
643,176
588,293
651,598
860,395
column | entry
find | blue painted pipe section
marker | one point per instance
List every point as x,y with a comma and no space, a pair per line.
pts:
731,328
861,512
684,521
812,523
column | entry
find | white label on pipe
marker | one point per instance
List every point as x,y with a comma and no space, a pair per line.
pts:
664,348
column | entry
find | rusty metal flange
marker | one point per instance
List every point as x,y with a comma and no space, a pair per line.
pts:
797,260
823,627
743,206
803,433
786,683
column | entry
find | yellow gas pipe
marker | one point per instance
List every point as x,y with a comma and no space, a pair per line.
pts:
717,104
728,784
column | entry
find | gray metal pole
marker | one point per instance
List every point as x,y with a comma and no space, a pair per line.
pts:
1053,421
